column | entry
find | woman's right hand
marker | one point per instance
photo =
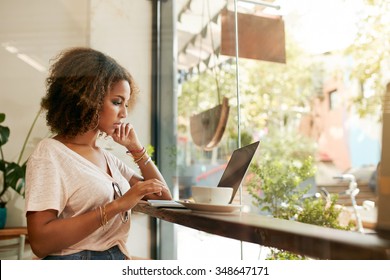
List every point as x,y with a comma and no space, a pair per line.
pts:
139,191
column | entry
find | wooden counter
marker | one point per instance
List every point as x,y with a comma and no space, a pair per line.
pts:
304,239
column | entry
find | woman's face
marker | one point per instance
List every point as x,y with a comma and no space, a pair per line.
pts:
114,108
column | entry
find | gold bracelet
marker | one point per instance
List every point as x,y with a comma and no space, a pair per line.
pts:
103,216
136,160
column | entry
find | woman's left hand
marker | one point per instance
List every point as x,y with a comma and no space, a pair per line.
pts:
126,136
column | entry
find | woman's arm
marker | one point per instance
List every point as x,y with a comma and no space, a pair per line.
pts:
48,234
126,136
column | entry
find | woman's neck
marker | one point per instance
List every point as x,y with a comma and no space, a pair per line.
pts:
86,139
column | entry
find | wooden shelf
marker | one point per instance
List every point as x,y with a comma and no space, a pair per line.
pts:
304,239
12,232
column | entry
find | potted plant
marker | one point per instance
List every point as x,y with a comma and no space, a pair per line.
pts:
13,173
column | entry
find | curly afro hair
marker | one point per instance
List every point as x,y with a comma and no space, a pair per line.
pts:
78,81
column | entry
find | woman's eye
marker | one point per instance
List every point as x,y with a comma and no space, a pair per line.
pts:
116,102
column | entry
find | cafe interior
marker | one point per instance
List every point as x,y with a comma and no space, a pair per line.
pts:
216,77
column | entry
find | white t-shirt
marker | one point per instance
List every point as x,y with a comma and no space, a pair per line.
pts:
59,178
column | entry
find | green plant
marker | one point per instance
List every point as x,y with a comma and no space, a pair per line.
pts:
315,211
284,255
13,173
286,163
322,213
277,188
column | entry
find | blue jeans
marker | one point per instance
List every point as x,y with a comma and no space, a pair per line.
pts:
111,254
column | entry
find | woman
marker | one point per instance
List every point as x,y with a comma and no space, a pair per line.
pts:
78,196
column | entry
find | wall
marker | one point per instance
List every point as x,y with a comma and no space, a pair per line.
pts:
37,29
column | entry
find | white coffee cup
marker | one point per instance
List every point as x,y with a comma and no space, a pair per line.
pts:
212,195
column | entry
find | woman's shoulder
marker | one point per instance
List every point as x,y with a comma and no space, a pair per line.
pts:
47,142
46,146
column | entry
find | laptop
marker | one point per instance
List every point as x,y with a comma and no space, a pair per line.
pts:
232,176
237,167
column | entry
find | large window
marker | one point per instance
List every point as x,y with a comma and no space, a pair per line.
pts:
214,91
275,87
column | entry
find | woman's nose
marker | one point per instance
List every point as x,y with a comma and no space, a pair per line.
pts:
123,112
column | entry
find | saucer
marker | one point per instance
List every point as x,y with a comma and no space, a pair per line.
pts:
210,207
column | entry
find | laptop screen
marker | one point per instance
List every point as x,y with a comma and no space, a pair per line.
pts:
237,167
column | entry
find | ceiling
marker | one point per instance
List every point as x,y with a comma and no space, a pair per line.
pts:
25,32
198,29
